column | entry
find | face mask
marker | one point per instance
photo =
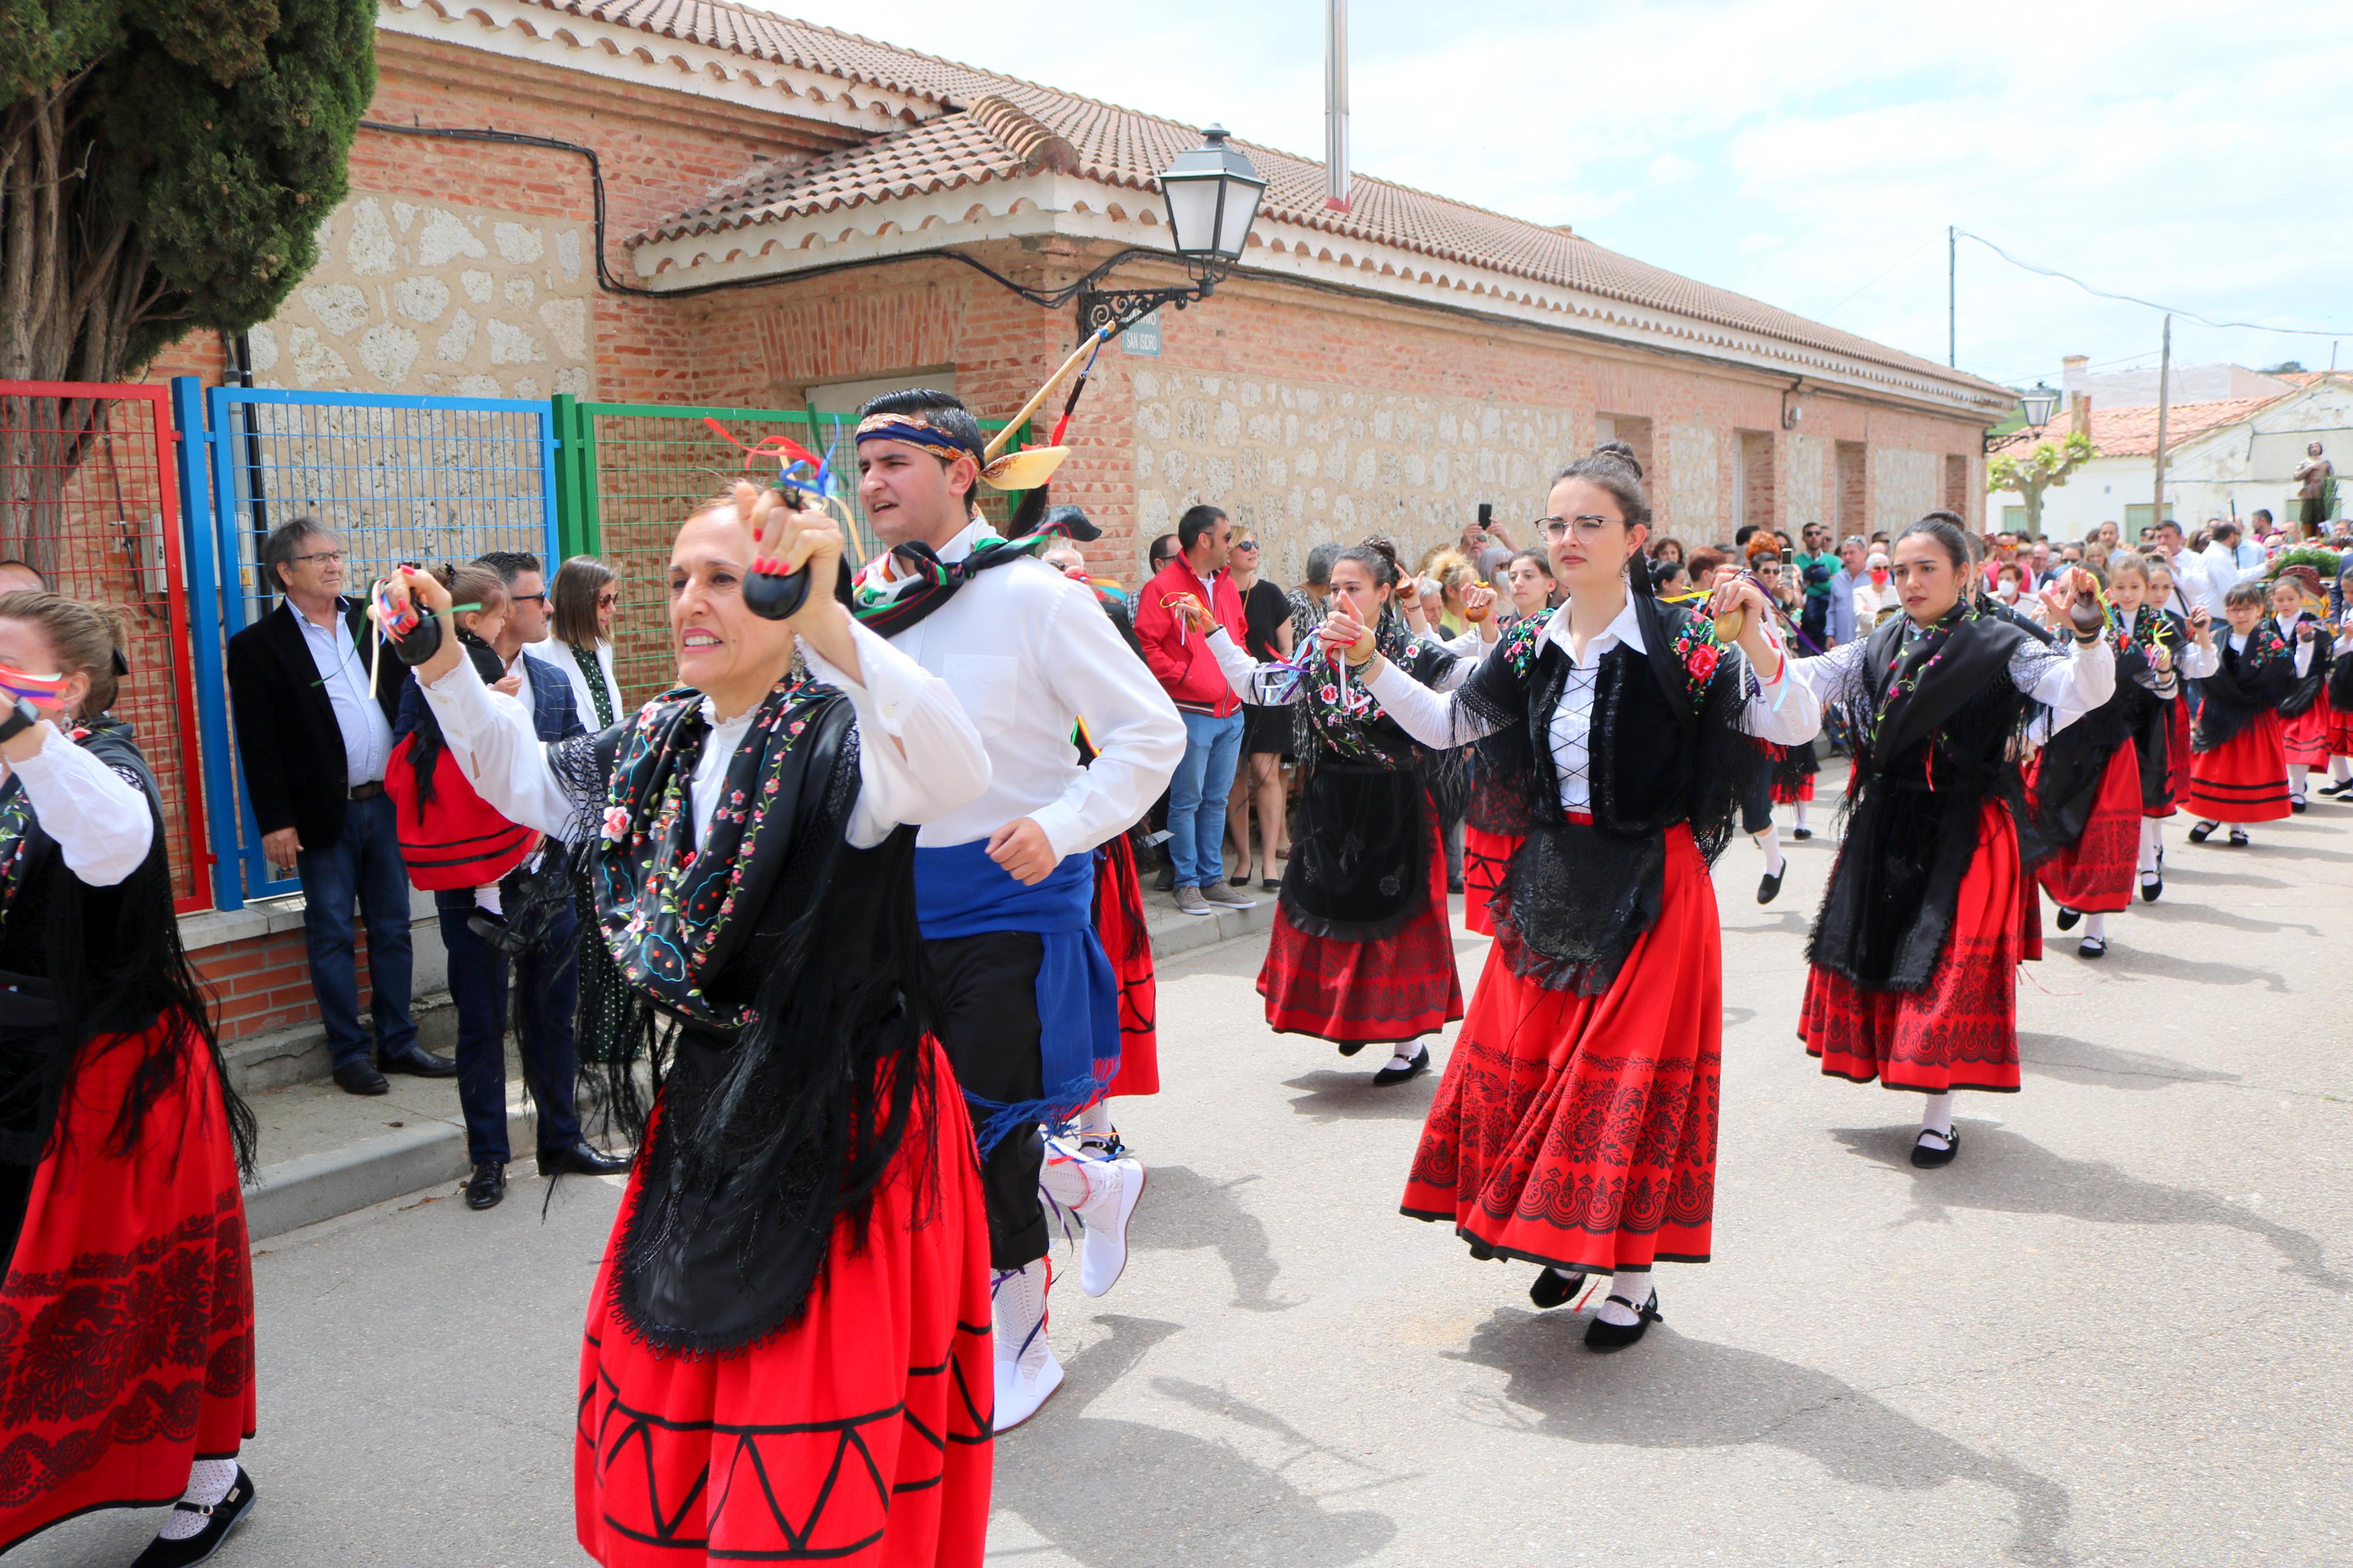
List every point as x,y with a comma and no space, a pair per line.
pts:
2008,592
1879,574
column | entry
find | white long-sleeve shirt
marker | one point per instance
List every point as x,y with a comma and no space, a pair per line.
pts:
99,817
1029,652
938,764
2070,682
1779,710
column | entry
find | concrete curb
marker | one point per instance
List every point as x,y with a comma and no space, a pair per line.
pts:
306,1190
299,1054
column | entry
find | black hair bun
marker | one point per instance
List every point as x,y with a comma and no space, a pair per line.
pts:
1618,451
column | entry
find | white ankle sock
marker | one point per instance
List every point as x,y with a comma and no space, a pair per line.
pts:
208,1482
2096,926
1634,1284
487,898
2298,775
1937,1115
1770,841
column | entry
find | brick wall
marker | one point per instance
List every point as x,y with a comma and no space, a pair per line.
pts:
263,984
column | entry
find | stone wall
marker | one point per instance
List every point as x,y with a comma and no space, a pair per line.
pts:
1905,486
1303,464
440,300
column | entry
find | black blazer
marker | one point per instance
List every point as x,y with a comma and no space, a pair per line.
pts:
287,737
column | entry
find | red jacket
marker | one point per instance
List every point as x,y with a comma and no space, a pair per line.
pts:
1180,658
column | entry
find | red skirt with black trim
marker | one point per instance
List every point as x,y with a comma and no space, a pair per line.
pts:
2310,737
126,1313
2177,759
2244,779
1382,991
1580,1130
858,1435
2340,729
1961,1030
1486,861
1119,921
2095,873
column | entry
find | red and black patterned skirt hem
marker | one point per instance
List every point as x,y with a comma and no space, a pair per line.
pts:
1961,1030
2177,759
2095,873
2244,779
1382,991
1119,921
1580,1130
126,1312
860,1434
2309,738
1486,861
2340,729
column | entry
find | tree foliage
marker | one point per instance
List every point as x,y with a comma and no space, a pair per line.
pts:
2044,467
165,166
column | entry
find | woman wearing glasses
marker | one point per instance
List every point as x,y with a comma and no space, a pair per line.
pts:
584,598
1361,953
1575,1125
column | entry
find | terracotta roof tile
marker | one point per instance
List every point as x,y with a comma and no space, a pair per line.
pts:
985,137
2132,432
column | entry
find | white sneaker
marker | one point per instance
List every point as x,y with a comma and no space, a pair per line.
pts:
1113,1189
1026,1371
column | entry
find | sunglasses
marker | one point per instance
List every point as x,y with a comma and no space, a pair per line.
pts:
527,598
608,599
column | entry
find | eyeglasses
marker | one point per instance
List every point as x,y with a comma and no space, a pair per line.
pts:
1245,544
1587,526
527,598
333,557
608,599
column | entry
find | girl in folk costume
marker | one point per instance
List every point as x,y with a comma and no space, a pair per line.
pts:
1496,819
2162,594
2238,768
126,1304
2095,784
2340,693
797,1285
1361,953
1928,910
1575,1125
2309,720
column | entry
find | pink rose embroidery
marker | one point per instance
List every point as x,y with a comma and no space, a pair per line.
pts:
616,823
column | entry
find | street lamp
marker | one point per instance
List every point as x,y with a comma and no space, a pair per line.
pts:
2037,404
1212,194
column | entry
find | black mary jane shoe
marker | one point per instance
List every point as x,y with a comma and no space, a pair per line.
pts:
2338,789
1930,1159
581,1160
1554,1289
487,1185
2092,947
2152,887
219,1520
2202,832
1770,888
2297,806
1606,1336
2239,839
1801,834
1406,1074
1349,1047
2067,918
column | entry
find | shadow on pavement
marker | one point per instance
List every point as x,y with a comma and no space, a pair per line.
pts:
2165,913
1670,1392
1183,1210
2001,1172
2192,874
1350,1094
2105,1067
1094,1486
2125,959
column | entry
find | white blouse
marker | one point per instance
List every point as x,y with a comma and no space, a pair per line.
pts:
99,817
2069,682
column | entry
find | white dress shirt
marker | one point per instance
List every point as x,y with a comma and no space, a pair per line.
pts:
1028,653
367,734
937,765
1782,711
99,817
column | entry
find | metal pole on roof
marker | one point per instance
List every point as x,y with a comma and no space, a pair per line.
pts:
1336,104
1952,297
2164,389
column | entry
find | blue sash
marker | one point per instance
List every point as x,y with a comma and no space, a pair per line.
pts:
960,892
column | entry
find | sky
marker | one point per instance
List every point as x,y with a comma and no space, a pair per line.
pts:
1810,154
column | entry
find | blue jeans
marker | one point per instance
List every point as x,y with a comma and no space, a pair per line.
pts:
1197,798
363,868
547,987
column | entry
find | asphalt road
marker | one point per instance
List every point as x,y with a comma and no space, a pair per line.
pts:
2115,1331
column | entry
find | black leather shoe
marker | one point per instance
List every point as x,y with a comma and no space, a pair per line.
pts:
219,1520
1166,882
1601,1336
2202,832
419,1062
1801,834
1406,1074
1770,888
360,1077
2238,839
2152,886
2297,806
2092,947
1554,1289
1928,1157
1350,1047
580,1159
2067,918
487,1185
2337,788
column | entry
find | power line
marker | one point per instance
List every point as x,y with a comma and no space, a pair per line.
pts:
2152,304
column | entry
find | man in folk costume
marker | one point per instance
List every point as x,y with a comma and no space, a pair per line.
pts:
1028,1002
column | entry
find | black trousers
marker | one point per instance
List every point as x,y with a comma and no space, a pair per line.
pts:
986,987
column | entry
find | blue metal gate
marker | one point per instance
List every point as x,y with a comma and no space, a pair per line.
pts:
428,479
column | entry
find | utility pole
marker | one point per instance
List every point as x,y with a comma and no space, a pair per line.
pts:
2164,388
1336,104
1952,297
